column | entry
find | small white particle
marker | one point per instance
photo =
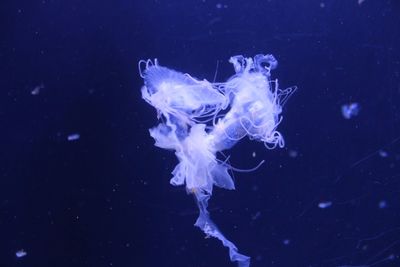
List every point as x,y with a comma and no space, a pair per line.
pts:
256,216
383,153
73,137
382,204
36,89
293,153
20,253
350,110
254,154
324,205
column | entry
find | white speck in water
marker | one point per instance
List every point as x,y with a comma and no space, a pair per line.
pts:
293,153
73,137
350,110
36,89
324,205
20,253
382,204
383,153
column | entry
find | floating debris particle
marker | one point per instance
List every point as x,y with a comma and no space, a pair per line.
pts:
324,205
383,153
350,110
256,216
293,153
73,137
20,253
382,204
219,6
36,89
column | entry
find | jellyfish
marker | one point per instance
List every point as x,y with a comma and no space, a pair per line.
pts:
199,119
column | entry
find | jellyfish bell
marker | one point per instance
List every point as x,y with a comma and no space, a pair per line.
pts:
173,92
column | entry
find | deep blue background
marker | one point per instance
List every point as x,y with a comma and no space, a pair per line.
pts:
105,199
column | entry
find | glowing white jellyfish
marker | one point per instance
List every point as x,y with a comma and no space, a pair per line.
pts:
200,118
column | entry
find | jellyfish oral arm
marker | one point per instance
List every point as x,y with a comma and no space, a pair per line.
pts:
200,119
205,223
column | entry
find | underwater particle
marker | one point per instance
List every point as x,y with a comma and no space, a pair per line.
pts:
383,153
286,242
350,110
324,205
293,153
254,154
220,6
360,1
73,137
20,253
36,89
256,216
322,5
382,204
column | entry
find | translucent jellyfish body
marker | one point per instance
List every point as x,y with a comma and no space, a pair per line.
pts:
200,118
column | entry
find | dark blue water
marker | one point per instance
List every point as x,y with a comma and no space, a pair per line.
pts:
104,199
